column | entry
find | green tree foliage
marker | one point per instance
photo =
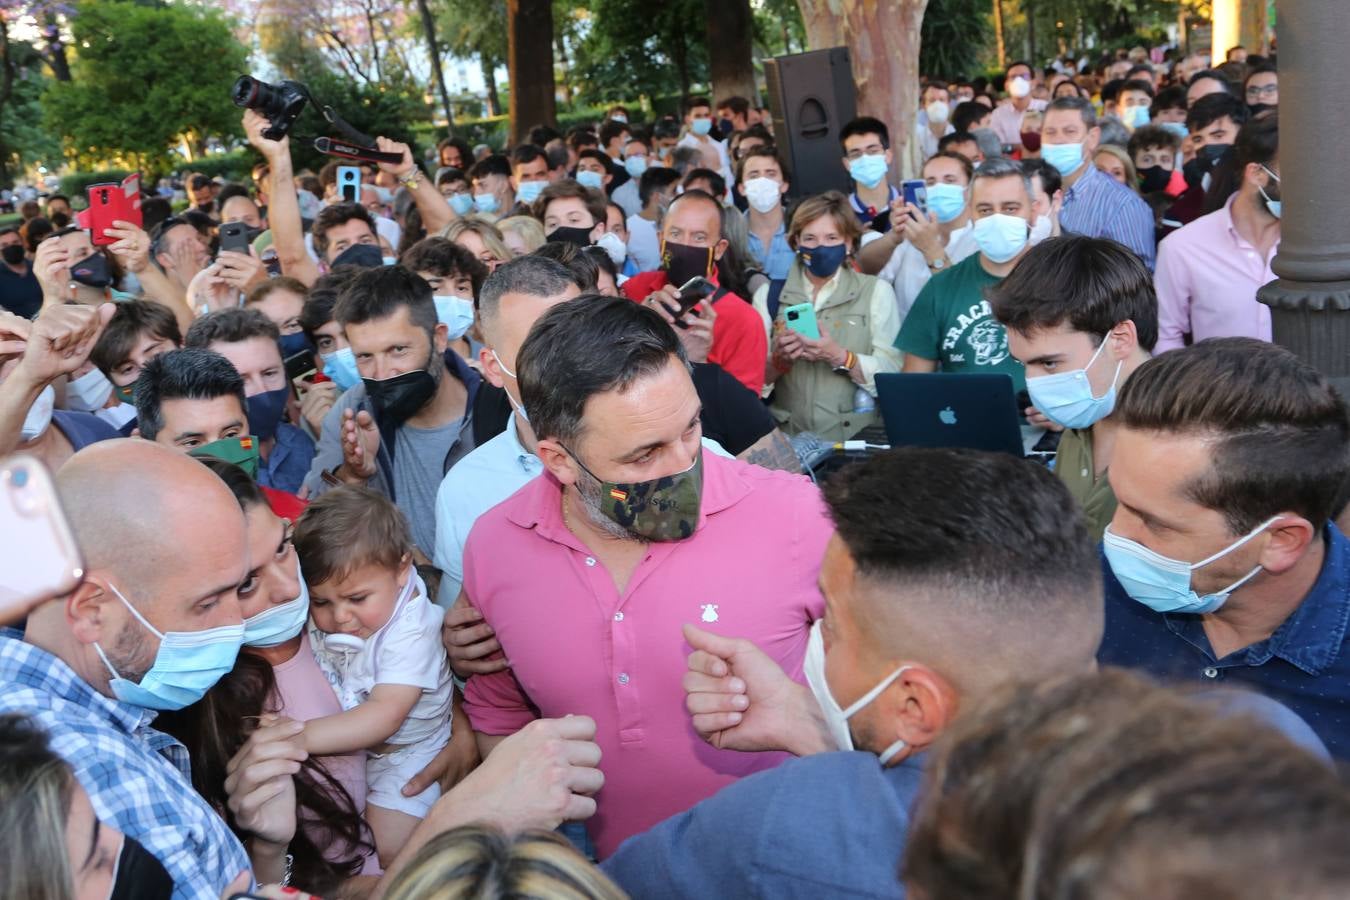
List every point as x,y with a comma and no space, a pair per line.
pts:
778,27
145,78
955,34
638,48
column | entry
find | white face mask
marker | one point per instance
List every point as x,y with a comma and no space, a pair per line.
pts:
1019,87
89,392
836,719
1041,229
937,112
613,246
762,194
39,416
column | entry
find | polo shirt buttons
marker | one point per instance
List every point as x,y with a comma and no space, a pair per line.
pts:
590,560
618,617
1211,672
623,678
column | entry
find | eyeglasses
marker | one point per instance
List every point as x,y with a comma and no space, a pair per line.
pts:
872,150
1256,91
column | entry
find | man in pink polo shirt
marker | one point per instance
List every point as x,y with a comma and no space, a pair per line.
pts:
587,574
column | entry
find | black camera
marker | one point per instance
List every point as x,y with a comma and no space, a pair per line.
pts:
281,104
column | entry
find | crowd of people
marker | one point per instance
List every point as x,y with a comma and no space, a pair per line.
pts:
454,537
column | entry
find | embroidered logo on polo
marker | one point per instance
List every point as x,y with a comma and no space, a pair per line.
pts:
709,612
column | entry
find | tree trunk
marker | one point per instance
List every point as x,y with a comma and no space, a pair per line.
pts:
489,67
434,57
562,60
731,51
529,60
56,49
679,54
1030,7
883,45
998,34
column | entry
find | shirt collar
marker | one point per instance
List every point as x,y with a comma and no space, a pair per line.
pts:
29,665
1312,637
528,461
1085,181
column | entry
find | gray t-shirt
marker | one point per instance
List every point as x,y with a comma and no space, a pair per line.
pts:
419,461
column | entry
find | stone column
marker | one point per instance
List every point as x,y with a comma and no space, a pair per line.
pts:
1310,300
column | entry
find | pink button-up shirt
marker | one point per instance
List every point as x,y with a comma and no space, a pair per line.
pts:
1206,279
577,645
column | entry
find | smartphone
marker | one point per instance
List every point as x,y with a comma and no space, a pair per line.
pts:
692,293
298,365
234,236
349,184
802,319
109,202
39,557
915,191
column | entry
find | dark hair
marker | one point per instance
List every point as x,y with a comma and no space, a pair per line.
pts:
347,528
1212,107
1258,141
737,104
1148,136
986,525
540,135
579,136
593,200
966,165
556,152
1077,104
244,488
465,151
1111,90
1019,62
695,102
34,231
527,153
665,129
231,190
611,130
230,326
657,178
52,198
1103,785
1036,167
764,151
323,295
948,141
445,258
379,292
865,125
335,215
1093,284
598,155
1173,97
129,321
1215,75
492,164
714,179
192,373
532,275
559,371
214,729
967,113
1137,84
1264,68
448,174
1139,67
582,271
1280,431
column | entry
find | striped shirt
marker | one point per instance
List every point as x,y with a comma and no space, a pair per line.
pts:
1099,206
137,779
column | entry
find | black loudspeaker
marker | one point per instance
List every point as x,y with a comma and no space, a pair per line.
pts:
812,96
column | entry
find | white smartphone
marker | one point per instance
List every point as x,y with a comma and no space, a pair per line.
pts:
39,559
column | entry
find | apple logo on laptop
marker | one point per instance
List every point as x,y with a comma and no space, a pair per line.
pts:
947,416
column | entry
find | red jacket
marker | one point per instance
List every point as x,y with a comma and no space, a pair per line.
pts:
739,345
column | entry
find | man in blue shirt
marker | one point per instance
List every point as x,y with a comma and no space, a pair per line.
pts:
944,571
761,179
1222,564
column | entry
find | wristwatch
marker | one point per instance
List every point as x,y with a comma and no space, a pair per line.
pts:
938,265
411,178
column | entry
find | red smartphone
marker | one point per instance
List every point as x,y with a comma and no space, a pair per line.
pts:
111,202
39,555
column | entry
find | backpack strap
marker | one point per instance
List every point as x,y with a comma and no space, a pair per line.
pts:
775,292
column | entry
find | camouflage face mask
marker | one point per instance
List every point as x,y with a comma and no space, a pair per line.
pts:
663,509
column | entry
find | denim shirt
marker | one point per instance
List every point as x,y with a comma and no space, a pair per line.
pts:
1303,665
288,463
776,259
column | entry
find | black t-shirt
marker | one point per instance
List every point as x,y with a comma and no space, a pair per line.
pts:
20,294
732,414
491,412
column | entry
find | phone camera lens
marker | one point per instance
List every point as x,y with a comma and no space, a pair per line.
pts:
19,477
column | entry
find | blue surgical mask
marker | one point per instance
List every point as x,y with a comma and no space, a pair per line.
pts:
1000,237
1066,397
485,203
278,624
529,191
187,664
265,411
455,313
1066,158
700,126
1177,128
340,365
461,203
635,165
389,260
1136,116
868,170
1163,584
946,201
292,344
823,262
593,180
1275,206
518,407
836,718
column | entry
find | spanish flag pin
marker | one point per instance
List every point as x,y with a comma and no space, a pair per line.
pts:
618,494
246,443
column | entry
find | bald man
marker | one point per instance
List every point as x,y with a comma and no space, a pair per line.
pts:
153,624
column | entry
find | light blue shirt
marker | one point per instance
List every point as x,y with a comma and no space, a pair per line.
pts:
776,260
478,482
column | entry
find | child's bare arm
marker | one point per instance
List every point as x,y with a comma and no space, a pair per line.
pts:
369,725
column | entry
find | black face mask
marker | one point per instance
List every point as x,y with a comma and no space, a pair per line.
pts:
139,875
1206,159
1154,178
367,256
92,271
13,254
683,262
568,234
400,398
1257,108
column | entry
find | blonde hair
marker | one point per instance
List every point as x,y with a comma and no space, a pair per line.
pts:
486,231
1131,174
36,786
475,862
830,203
528,227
